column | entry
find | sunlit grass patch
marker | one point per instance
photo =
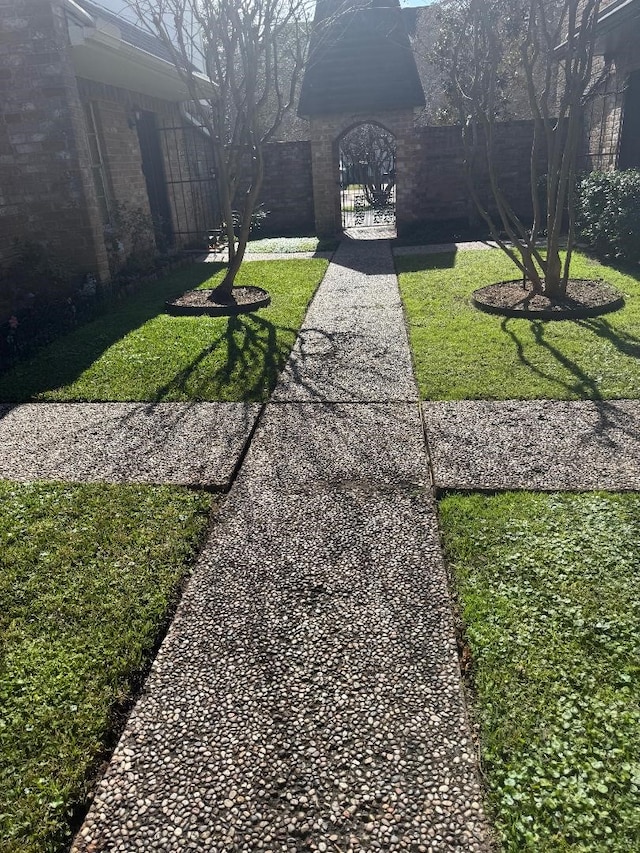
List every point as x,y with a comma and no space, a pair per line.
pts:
462,353
139,353
88,576
549,587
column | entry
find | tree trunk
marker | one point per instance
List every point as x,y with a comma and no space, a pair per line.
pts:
236,252
224,290
554,282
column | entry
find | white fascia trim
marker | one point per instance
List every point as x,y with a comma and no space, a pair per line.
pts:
106,36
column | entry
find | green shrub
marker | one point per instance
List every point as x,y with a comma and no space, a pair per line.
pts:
609,214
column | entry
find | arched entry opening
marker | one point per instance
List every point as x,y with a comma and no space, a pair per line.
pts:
367,158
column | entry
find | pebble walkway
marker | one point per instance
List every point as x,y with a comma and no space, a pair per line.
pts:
307,695
542,445
186,444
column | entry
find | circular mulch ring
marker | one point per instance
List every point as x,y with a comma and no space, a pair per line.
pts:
584,298
196,303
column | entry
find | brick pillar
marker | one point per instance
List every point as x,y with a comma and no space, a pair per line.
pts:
326,177
407,148
47,189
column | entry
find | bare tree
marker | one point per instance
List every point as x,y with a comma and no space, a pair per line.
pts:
549,44
369,152
253,51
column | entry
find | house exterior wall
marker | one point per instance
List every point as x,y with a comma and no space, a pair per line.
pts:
46,191
186,160
114,110
604,113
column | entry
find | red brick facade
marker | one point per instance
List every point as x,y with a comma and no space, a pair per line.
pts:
46,191
430,176
48,182
287,191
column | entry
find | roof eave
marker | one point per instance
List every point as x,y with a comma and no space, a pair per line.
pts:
100,54
608,28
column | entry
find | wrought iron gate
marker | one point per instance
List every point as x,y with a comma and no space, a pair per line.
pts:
191,184
367,177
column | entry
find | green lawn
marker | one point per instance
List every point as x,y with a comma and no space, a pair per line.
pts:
462,353
549,587
137,352
88,576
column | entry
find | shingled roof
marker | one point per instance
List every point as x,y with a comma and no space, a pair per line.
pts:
360,60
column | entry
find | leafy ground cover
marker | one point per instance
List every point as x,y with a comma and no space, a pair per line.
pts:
88,576
137,352
462,353
549,588
286,245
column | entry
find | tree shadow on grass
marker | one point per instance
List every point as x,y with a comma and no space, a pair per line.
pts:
585,386
624,342
61,363
252,351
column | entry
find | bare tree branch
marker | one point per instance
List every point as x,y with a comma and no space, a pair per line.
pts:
253,52
485,42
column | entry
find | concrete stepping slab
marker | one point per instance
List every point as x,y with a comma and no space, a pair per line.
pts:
543,444
346,367
196,444
307,696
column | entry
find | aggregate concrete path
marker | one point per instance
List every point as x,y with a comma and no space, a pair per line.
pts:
307,696
172,443
540,445
352,345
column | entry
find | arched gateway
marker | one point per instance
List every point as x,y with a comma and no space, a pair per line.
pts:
361,71
368,177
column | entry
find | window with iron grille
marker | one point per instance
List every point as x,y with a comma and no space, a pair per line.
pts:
98,168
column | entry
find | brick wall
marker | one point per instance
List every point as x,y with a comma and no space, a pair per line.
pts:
114,110
46,191
326,132
117,112
439,185
430,177
287,191
47,187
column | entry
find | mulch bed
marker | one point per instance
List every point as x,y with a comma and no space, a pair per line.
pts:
200,302
584,298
